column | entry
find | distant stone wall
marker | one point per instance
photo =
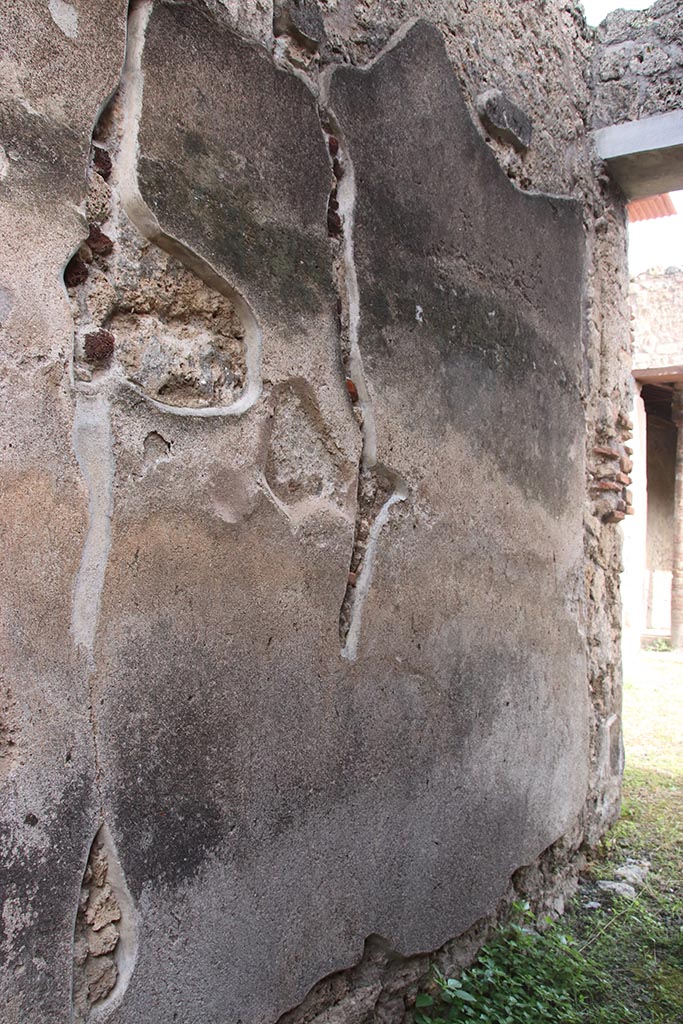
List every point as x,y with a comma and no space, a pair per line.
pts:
313,414
657,318
661,474
638,64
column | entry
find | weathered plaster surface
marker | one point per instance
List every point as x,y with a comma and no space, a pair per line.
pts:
304,625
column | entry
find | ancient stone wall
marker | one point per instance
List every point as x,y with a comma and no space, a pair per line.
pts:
315,354
661,475
638,64
657,316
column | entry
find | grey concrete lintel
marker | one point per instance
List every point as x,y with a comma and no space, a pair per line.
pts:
644,157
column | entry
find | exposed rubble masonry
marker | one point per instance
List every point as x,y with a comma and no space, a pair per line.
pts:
105,936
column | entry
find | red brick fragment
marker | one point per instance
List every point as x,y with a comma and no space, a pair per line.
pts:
610,453
100,243
626,464
333,144
615,517
624,479
352,389
101,162
99,346
630,511
76,272
607,485
334,223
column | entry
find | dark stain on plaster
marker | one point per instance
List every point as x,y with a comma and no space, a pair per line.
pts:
470,290
167,790
245,186
492,374
44,889
291,267
45,156
188,773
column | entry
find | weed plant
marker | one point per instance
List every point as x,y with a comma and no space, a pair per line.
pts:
522,976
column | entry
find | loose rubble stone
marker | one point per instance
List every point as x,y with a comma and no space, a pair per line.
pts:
302,19
504,119
634,872
618,889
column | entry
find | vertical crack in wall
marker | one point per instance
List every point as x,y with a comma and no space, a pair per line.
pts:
379,486
105,934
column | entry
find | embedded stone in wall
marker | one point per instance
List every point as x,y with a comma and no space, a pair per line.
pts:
504,119
302,20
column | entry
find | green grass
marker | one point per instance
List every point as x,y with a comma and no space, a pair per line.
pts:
620,962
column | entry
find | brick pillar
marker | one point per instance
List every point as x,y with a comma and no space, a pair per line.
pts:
677,577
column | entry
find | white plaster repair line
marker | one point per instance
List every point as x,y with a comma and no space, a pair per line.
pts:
92,444
126,176
350,648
